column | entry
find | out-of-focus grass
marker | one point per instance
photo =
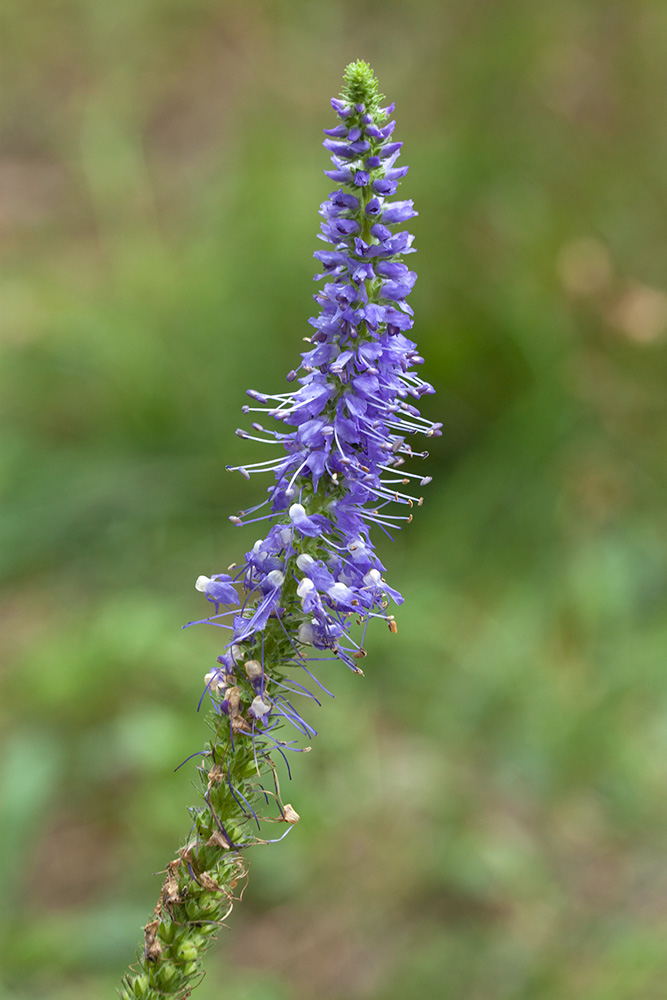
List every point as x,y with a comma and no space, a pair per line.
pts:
483,815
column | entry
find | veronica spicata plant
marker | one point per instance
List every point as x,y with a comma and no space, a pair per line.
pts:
303,589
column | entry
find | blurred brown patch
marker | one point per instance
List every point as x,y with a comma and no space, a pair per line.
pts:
73,863
31,192
316,951
640,313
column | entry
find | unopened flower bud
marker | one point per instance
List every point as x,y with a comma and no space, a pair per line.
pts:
187,951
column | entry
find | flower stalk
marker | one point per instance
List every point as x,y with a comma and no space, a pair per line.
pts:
307,590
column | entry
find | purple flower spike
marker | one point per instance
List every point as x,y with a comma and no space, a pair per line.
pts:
339,428
342,428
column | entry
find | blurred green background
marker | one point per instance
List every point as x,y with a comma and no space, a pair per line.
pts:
484,814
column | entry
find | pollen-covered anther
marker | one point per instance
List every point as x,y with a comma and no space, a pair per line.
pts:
359,654
290,815
392,626
235,520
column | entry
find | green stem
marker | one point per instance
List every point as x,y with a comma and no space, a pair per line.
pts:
209,871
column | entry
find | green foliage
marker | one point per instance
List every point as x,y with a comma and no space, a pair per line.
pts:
483,813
